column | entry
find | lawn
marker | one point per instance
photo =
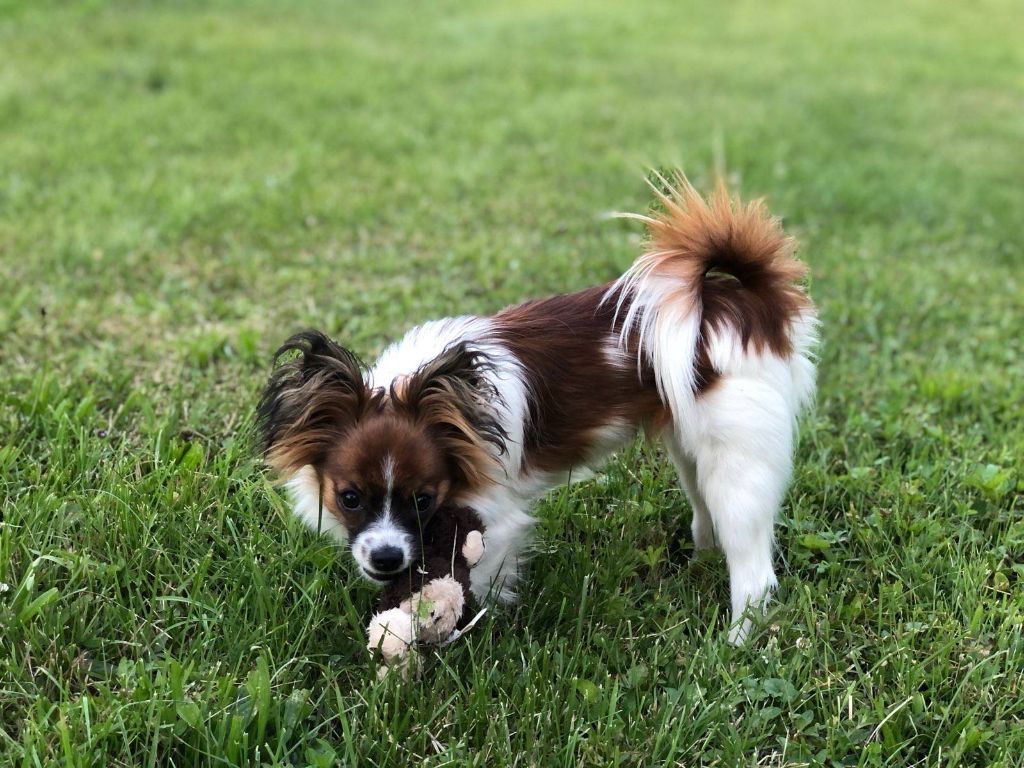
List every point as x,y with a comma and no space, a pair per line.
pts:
182,185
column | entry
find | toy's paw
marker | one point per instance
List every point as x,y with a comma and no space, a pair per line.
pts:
436,609
391,633
473,549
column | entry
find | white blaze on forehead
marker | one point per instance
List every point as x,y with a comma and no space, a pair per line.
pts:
384,532
389,485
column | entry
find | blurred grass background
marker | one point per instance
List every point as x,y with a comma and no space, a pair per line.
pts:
184,184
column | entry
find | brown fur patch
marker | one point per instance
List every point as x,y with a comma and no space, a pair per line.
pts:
567,345
357,462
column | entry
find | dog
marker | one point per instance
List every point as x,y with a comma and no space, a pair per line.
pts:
706,342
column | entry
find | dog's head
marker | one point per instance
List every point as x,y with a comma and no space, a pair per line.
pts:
384,458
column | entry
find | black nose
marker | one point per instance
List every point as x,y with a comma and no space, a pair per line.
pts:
387,559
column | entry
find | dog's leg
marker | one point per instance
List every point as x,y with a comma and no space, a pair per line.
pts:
701,526
507,526
743,461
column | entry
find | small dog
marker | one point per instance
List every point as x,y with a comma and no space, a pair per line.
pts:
705,342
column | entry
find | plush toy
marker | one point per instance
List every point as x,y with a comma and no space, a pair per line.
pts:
428,602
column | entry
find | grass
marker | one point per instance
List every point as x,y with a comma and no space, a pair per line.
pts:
182,185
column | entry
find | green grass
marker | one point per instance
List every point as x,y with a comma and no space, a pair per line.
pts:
182,185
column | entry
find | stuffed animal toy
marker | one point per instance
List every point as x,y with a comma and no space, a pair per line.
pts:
428,602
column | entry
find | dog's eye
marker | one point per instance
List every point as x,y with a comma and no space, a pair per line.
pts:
423,501
350,499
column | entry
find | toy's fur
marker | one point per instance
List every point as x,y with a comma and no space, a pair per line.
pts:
705,342
431,599
451,544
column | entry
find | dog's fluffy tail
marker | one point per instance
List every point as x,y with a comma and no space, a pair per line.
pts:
716,281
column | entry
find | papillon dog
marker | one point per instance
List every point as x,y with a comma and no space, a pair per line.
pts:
706,343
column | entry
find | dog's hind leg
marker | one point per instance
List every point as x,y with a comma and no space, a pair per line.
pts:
743,452
701,527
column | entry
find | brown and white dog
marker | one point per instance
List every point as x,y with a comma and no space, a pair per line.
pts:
706,342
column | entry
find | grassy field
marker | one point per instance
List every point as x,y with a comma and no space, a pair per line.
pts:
182,185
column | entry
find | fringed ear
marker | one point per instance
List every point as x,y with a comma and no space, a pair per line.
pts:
309,401
453,398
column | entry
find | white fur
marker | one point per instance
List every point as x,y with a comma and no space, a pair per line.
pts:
732,446
508,522
304,489
733,450
667,331
422,344
384,532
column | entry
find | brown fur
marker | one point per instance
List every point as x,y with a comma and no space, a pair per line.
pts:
563,343
310,401
357,462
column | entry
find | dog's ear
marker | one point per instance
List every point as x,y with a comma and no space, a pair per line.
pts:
454,400
309,401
